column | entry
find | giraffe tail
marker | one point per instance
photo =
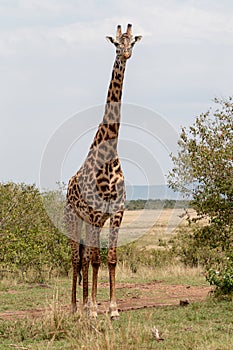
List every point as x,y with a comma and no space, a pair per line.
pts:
81,247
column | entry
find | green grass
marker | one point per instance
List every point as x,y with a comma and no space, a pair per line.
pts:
207,325
24,296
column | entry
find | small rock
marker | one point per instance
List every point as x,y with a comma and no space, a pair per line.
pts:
184,302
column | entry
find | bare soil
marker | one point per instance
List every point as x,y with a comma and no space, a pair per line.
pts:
137,296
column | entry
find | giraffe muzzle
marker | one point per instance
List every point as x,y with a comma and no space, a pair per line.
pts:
127,55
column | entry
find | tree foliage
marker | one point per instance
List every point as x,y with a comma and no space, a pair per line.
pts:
203,167
28,238
203,171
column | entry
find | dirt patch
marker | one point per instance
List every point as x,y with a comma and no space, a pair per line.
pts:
137,296
157,293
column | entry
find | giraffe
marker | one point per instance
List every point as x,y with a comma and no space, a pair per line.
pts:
97,191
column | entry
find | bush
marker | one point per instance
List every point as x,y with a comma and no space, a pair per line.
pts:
201,245
29,240
204,246
222,277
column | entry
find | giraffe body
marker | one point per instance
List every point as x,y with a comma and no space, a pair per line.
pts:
97,191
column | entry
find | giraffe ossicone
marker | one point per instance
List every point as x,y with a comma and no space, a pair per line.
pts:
97,191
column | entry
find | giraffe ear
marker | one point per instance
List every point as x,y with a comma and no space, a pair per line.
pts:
138,38
112,40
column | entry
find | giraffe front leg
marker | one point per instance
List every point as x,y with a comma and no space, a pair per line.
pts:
85,268
93,307
112,261
75,263
115,222
95,261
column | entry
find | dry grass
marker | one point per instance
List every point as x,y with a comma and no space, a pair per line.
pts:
198,326
174,273
148,226
152,228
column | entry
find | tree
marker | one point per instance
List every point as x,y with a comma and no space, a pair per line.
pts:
203,170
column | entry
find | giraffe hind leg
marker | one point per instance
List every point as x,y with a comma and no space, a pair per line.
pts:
115,222
74,226
95,261
91,254
81,248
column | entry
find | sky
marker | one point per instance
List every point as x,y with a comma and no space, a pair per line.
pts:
55,68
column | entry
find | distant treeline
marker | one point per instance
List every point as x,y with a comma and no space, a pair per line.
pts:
156,204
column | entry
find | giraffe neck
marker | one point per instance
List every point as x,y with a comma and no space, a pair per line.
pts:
116,83
109,128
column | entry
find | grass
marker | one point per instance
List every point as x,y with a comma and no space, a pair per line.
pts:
22,296
149,227
201,326
206,325
174,273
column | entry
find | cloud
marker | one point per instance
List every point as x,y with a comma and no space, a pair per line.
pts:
61,26
187,22
38,39
56,61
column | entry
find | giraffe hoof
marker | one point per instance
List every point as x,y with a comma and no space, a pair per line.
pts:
93,314
91,310
113,310
114,315
73,308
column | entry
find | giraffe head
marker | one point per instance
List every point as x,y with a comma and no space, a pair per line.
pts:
124,42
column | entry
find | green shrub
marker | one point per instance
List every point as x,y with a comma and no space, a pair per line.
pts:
222,276
202,245
29,240
205,246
